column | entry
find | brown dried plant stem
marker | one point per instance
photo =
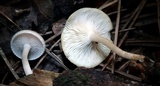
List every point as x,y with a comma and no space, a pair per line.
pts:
46,54
158,9
9,19
134,16
8,64
56,58
106,4
116,33
124,74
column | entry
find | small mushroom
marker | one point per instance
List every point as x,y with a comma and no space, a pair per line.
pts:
86,40
27,45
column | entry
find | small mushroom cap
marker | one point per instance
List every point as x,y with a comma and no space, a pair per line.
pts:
28,37
75,38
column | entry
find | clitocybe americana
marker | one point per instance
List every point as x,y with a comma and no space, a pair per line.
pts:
86,40
27,45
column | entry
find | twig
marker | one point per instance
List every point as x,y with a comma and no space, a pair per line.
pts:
124,30
105,5
158,9
124,74
14,66
8,64
52,37
124,65
56,58
111,13
128,75
151,43
143,41
136,12
39,62
46,54
144,19
48,40
9,20
54,44
133,21
116,32
47,33
108,62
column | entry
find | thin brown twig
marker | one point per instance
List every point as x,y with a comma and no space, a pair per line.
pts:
124,30
124,74
10,20
56,58
158,10
48,40
46,54
124,65
136,12
52,37
54,44
116,32
132,23
133,15
105,5
8,64
111,13
39,62
14,66
151,43
143,41
47,33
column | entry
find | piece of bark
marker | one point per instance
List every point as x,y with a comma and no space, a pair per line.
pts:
38,78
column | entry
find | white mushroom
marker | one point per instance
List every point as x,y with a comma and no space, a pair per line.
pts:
27,44
86,40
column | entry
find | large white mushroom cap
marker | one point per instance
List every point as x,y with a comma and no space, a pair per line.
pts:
75,38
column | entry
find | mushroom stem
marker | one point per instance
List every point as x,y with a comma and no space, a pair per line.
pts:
25,63
98,38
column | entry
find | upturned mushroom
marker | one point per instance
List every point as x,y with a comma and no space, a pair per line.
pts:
27,45
86,39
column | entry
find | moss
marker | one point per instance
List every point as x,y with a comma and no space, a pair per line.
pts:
73,78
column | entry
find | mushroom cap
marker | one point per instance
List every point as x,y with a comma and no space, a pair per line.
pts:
28,37
75,38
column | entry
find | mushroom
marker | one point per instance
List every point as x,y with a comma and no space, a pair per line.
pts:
27,45
86,39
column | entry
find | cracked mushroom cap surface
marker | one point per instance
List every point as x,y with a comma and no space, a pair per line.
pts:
28,37
76,43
